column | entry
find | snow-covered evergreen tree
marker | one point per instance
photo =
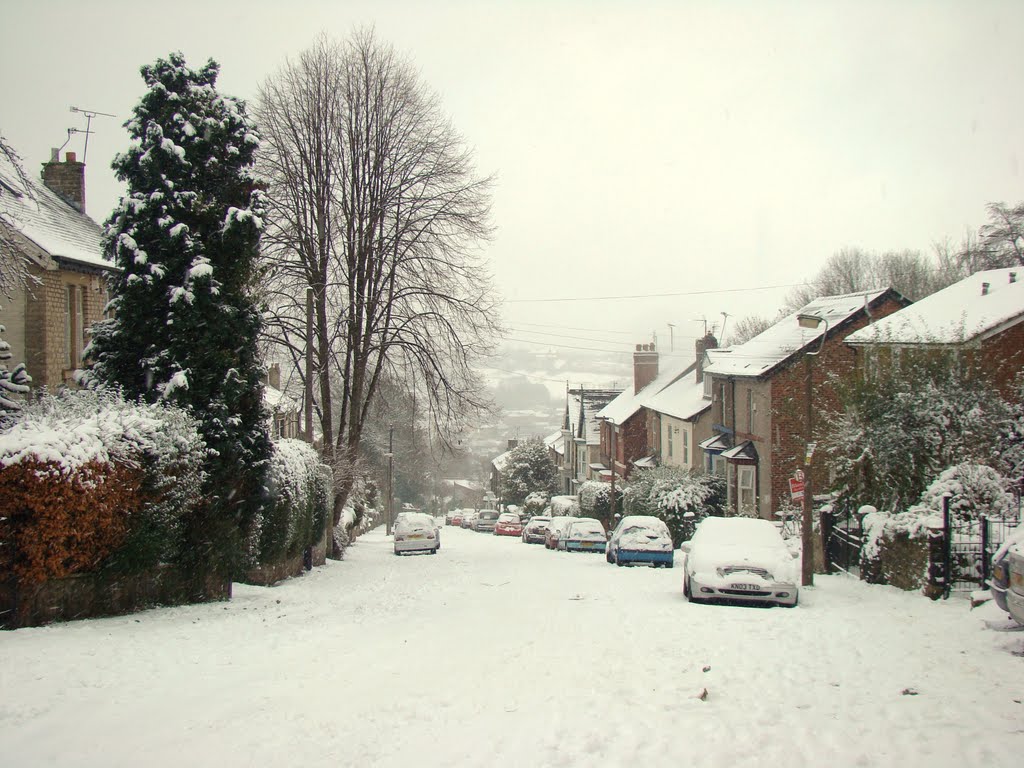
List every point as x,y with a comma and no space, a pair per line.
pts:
184,326
14,384
529,469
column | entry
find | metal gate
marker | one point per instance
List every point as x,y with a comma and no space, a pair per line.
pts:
969,546
844,537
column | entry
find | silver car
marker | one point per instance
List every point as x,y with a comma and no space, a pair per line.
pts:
1000,580
739,559
1015,592
416,532
486,520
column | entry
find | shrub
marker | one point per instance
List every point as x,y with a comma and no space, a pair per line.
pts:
92,482
680,497
975,490
595,498
299,500
896,548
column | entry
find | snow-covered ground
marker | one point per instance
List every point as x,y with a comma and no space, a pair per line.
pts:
497,653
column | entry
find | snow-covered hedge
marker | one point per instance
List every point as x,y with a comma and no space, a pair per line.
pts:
565,506
300,497
896,548
536,502
92,482
680,497
974,489
595,498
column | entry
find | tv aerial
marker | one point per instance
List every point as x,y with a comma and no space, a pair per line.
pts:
89,115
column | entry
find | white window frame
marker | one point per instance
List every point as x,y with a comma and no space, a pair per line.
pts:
746,486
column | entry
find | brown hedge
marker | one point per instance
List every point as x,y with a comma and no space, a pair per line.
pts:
56,524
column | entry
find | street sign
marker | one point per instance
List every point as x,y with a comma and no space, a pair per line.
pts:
796,489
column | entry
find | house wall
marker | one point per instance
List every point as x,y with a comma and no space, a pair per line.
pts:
683,433
12,318
1003,355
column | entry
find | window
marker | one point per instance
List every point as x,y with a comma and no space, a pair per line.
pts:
721,401
708,388
670,430
74,326
686,448
745,487
750,410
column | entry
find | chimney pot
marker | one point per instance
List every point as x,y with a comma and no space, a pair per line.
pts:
639,347
1013,277
984,289
72,157
54,155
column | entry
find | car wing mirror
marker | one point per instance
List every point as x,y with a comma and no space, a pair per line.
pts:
686,546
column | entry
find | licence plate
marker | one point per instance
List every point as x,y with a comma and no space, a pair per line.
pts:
587,543
416,536
746,587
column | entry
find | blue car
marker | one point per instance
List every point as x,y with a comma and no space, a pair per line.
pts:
584,534
641,539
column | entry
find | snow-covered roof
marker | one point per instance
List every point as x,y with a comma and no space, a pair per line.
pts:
500,461
555,442
629,402
956,314
646,462
787,337
590,401
47,220
682,399
277,401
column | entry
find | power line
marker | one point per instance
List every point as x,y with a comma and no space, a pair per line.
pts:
571,328
565,336
658,295
568,346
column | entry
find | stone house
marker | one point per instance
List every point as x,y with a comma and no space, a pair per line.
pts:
285,411
579,459
678,416
758,394
47,319
978,321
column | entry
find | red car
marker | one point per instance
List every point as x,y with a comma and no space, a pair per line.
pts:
508,524
456,518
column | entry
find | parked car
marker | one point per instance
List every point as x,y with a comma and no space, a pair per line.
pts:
555,529
1015,593
584,534
486,520
533,531
416,532
640,539
469,518
456,517
739,559
508,524
1000,580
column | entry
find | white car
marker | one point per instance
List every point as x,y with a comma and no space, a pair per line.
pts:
640,539
416,532
1015,591
739,559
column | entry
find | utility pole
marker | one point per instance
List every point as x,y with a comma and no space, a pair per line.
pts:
391,478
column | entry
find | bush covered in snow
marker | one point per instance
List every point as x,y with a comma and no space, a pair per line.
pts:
974,489
595,499
896,548
680,497
536,502
300,497
92,482
565,506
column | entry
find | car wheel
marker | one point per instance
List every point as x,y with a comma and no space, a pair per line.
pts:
669,564
686,587
608,555
434,550
618,560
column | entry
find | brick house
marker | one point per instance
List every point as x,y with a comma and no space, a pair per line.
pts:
759,402
283,411
47,319
631,436
978,321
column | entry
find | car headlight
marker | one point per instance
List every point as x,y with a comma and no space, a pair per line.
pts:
1000,572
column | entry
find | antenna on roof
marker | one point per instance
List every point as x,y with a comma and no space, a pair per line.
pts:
704,320
725,319
89,115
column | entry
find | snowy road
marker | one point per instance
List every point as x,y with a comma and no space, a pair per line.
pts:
496,653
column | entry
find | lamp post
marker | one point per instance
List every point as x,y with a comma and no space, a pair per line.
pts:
391,478
806,524
611,502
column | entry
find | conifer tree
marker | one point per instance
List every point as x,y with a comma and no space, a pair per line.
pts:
184,325
14,385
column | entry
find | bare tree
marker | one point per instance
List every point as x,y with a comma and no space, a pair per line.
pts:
1000,241
12,263
375,203
748,327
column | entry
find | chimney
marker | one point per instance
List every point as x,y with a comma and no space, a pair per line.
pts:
708,342
984,289
645,366
274,376
67,179
512,443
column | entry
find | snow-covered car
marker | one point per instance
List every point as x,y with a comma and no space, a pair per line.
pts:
456,517
640,539
469,518
533,531
584,534
554,531
739,559
416,532
1000,580
486,520
508,524
1015,592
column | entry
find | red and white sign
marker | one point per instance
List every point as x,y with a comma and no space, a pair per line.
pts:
796,488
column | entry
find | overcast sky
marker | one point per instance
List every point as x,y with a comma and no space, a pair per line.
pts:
639,147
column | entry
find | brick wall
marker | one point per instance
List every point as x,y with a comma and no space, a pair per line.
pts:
1003,355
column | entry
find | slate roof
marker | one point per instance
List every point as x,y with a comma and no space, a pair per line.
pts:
47,220
583,406
629,402
682,399
957,314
